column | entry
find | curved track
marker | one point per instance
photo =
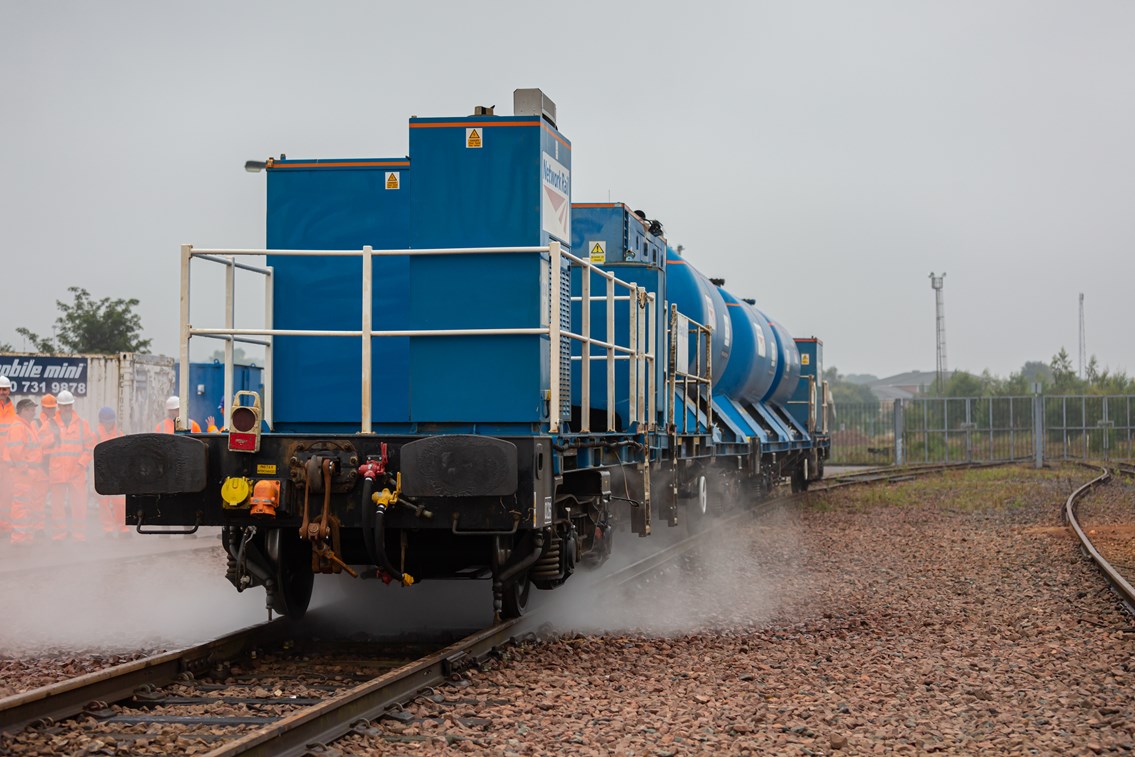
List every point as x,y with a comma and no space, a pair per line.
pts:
1120,584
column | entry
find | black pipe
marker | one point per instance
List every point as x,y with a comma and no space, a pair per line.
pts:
368,518
380,557
516,568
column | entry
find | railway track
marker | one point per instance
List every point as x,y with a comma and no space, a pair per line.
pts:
895,475
1120,584
287,724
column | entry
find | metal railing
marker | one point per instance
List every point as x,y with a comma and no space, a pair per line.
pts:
639,354
680,375
641,330
983,429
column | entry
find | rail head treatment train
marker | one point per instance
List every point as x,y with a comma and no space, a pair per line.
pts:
469,376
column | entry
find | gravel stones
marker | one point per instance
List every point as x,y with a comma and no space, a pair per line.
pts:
951,614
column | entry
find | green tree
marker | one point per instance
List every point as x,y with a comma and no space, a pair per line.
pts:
87,326
1064,377
39,344
5,347
964,384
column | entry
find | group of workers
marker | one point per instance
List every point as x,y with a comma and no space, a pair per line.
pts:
44,463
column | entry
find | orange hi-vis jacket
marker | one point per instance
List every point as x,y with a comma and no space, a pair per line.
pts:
102,435
25,448
166,427
71,453
8,418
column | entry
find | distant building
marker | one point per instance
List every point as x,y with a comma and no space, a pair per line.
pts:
903,386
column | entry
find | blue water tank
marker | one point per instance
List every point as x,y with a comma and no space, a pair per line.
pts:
697,298
754,358
788,366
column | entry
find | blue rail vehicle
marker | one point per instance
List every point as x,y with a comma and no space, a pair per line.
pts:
466,376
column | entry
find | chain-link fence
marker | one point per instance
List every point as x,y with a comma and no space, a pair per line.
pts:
982,429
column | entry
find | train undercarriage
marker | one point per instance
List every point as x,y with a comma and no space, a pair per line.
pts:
401,510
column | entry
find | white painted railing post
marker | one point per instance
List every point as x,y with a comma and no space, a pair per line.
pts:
554,412
368,327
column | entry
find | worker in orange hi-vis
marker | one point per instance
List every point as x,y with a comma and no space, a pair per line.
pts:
112,508
48,415
67,472
7,420
47,424
29,482
171,422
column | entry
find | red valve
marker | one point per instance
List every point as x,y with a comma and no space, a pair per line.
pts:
374,468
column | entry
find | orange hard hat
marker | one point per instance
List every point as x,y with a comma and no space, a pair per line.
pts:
48,401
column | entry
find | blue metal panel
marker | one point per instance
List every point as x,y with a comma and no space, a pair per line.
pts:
620,236
337,204
483,181
811,366
207,388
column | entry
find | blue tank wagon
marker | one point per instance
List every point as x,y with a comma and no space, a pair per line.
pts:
468,376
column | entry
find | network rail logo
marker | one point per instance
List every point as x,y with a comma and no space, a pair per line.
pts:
556,198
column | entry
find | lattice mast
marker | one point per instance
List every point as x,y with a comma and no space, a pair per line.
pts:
1083,340
940,327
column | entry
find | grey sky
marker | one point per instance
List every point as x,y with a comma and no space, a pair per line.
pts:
822,157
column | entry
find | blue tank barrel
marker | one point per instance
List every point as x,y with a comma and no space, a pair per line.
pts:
788,366
697,298
754,358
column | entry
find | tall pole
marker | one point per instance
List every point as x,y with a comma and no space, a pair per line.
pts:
1083,341
936,283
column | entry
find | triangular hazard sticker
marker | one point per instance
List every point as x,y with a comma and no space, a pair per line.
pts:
472,138
597,249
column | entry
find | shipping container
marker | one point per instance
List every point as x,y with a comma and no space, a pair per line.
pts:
135,386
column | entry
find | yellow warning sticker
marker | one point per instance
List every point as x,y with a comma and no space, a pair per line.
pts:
392,181
805,359
472,138
266,470
598,251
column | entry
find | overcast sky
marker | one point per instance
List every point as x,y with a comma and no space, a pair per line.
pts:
821,157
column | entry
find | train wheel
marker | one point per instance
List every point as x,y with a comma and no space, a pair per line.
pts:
514,597
799,480
697,506
291,559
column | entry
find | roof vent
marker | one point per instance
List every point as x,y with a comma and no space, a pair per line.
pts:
483,110
533,102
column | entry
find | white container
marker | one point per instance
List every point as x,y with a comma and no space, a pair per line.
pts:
135,386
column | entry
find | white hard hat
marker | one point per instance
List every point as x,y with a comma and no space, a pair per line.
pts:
65,398
173,403
5,383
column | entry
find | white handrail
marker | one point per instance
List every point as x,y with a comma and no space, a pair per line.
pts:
639,352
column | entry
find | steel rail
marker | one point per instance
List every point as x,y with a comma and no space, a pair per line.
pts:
1115,578
899,474
68,698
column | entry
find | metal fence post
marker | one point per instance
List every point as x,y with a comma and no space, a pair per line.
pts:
898,432
1038,426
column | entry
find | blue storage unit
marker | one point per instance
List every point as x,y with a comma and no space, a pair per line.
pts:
207,388
811,381
337,205
486,181
613,236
